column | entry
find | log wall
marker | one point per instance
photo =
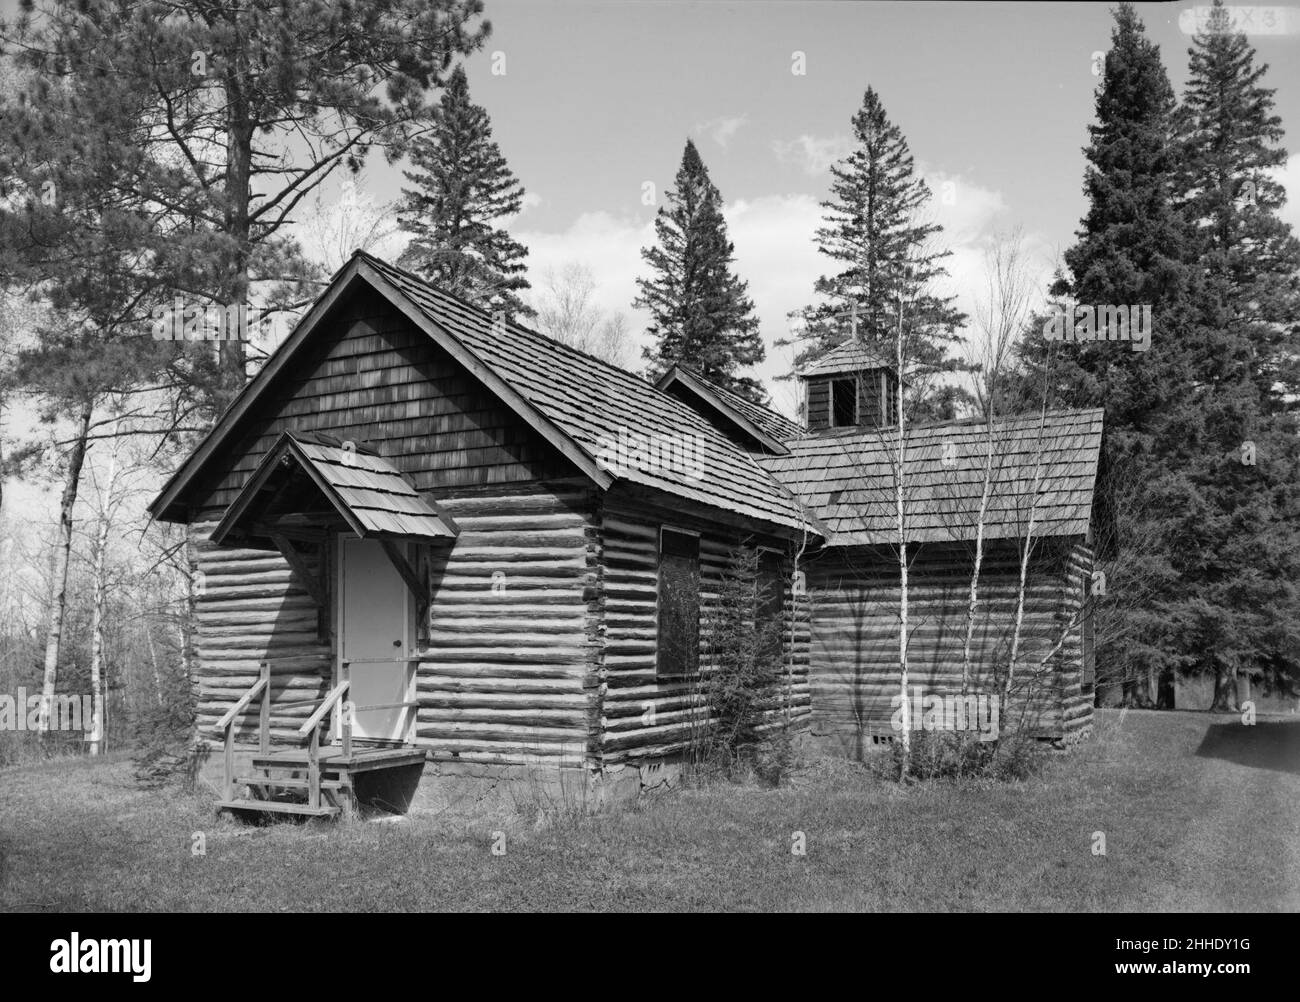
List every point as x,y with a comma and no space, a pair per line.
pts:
855,674
508,656
642,716
510,668
251,608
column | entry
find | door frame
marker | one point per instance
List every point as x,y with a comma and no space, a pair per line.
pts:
408,642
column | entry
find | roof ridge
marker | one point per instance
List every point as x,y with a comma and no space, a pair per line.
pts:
736,396
970,422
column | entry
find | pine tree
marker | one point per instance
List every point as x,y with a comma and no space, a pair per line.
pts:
701,314
252,106
1214,569
1235,526
463,188
1233,143
874,230
1134,248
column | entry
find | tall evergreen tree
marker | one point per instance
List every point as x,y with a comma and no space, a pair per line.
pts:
700,313
887,252
1134,248
464,187
1240,607
1232,147
1213,569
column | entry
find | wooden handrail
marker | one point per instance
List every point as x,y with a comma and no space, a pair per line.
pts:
309,730
240,706
387,706
326,705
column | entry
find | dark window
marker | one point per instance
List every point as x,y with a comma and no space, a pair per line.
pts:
679,604
844,402
770,607
1089,677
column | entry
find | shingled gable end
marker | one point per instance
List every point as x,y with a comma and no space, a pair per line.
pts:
414,552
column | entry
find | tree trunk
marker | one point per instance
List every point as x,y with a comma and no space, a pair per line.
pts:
1137,692
902,555
972,602
239,165
97,613
1025,554
59,570
1225,688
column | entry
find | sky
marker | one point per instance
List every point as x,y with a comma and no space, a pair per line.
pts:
590,101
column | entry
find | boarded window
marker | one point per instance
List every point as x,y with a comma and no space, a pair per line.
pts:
679,604
770,605
844,402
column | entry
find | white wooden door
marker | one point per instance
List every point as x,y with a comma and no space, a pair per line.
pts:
375,638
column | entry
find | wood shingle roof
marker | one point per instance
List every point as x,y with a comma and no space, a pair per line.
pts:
367,491
1041,468
637,432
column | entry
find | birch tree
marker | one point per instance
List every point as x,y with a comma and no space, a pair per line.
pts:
1001,316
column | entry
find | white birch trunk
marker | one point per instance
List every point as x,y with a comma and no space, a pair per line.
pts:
58,595
902,551
97,693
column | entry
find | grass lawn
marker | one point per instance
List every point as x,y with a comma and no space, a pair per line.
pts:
1199,812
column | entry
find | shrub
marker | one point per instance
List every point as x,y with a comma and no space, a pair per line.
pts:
961,755
740,690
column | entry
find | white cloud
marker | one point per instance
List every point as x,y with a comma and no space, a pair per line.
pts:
609,245
723,128
776,256
1288,175
814,154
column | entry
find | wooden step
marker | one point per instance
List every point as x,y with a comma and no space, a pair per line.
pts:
332,759
291,784
278,807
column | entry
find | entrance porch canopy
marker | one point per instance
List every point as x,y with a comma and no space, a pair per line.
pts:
308,485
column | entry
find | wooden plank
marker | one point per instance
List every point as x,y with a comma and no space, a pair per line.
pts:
264,721
276,807
241,705
326,705
313,768
413,583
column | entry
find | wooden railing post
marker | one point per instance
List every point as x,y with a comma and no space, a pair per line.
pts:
264,722
345,709
226,725
313,767
230,761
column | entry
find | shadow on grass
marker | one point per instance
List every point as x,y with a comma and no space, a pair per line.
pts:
1268,744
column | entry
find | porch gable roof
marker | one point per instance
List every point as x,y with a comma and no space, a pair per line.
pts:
369,493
